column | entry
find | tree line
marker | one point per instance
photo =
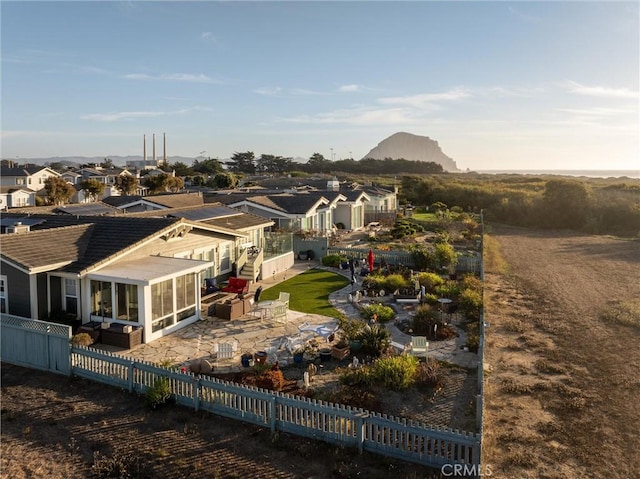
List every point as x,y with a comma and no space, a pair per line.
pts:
591,205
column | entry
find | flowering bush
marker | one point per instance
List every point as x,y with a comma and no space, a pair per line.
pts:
382,313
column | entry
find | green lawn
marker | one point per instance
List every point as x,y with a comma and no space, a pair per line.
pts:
424,216
310,291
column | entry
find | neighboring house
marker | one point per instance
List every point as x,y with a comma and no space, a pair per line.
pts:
380,200
32,177
291,212
350,211
317,211
71,177
107,176
16,197
93,209
126,269
137,203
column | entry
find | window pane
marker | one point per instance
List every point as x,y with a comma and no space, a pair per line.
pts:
70,287
180,293
71,305
101,299
127,301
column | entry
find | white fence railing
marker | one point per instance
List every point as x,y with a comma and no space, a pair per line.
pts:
333,423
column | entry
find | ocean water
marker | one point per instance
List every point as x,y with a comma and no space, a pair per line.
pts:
585,173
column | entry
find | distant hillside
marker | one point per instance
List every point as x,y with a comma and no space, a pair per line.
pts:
412,147
81,160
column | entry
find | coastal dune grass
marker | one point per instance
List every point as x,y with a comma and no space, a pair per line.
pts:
310,292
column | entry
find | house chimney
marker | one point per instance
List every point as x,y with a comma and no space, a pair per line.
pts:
164,148
144,147
154,149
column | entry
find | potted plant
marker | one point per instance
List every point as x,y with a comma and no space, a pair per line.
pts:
325,354
340,350
352,333
298,355
246,359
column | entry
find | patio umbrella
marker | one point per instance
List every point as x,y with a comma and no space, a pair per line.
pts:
370,260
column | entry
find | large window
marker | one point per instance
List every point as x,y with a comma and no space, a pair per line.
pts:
71,295
207,255
127,301
3,294
185,296
162,305
225,258
101,299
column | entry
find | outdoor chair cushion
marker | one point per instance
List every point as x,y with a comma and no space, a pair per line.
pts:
236,285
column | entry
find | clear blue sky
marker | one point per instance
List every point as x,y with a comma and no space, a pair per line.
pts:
500,85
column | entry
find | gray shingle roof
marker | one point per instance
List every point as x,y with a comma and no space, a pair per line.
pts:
83,241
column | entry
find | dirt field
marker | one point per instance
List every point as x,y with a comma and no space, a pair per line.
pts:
563,386
52,426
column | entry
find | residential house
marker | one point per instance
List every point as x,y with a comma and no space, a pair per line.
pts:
381,200
32,177
16,197
107,176
137,203
274,251
136,271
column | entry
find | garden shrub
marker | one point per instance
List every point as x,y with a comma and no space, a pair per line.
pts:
430,298
395,372
374,282
470,303
472,282
430,373
424,319
81,339
449,289
473,336
430,281
394,282
333,260
375,340
159,393
383,313
272,380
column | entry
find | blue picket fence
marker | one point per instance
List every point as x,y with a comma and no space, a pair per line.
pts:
35,344
467,262
333,423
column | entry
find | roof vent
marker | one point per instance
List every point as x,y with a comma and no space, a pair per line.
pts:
18,228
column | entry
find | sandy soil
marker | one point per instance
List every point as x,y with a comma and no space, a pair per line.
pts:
563,387
53,426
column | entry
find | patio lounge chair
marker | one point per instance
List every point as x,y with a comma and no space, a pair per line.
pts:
279,313
419,346
284,298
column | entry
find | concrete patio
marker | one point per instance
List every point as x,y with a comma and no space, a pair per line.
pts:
251,334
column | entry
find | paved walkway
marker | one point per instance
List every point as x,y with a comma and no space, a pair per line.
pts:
249,334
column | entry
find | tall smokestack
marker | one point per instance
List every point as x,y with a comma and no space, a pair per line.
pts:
164,148
154,149
144,147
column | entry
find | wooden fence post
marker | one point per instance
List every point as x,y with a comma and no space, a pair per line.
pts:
272,413
196,394
131,374
360,417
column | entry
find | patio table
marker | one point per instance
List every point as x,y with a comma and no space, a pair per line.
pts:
266,307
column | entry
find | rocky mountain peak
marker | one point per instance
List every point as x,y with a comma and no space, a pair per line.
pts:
412,147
